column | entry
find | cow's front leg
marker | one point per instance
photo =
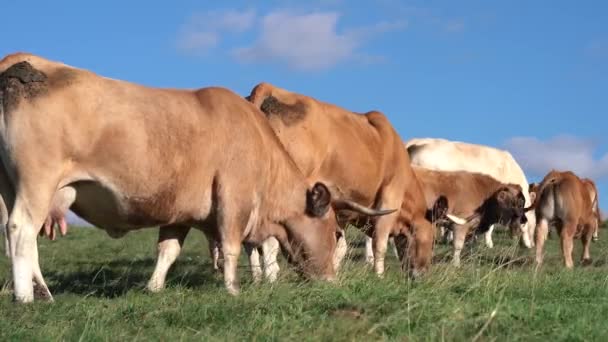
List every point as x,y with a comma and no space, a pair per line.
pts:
170,242
488,237
270,250
460,234
369,250
340,253
7,250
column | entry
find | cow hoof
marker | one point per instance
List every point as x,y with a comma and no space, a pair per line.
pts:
587,262
233,290
42,293
154,288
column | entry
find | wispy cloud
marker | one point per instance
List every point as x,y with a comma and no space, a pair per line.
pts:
597,49
203,31
454,25
565,152
310,41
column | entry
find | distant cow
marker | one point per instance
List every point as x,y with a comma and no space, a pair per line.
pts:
475,202
563,200
140,157
445,155
361,157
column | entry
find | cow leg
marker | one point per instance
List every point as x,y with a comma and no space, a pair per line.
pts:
460,234
531,226
270,250
567,237
541,235
488,237
341,249
24,249
380,241
254,262
589,231
170,242
369,250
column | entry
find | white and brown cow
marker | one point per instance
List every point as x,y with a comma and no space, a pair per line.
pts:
445,155
137,156
475,202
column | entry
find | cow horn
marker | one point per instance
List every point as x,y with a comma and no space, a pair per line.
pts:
456,219
343,204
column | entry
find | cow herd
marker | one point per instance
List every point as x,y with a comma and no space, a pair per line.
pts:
273,172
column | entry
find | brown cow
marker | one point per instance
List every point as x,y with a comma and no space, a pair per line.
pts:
563,200
138,157
361,157
479,198
593,194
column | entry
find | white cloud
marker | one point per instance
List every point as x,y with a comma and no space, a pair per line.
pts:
309,41
203,31
565,152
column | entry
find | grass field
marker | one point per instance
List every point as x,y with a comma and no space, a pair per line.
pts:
98,287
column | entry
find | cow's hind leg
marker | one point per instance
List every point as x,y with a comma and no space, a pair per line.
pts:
567,237
170,242
542,229
254,262
588,233
24,249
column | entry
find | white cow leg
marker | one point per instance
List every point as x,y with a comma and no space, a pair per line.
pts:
24,249
488,237
531,226
270,249
341,249
391,242
170,242
7,246
254,262
460,234
380,241
369,251
41,290
232,250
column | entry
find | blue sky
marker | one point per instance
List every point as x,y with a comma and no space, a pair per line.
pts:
531,77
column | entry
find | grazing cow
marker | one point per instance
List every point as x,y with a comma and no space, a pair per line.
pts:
476,202
137,156
362,158
563,200
445,155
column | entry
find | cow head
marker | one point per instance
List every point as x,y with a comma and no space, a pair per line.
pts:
507,206
313,236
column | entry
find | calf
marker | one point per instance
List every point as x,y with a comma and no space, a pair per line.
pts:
476,201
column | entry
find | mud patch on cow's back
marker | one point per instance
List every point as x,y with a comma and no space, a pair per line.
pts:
20,81
290,114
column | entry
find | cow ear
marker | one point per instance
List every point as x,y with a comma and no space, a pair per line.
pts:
532,197
318,200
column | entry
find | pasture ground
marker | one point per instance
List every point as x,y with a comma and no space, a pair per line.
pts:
98,287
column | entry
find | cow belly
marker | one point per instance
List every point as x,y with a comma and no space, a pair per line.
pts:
104,207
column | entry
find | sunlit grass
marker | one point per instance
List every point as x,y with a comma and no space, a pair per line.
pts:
98,287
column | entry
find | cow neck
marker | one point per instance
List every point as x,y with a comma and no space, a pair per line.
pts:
286,189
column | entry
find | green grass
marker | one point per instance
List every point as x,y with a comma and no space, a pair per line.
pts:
98,287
